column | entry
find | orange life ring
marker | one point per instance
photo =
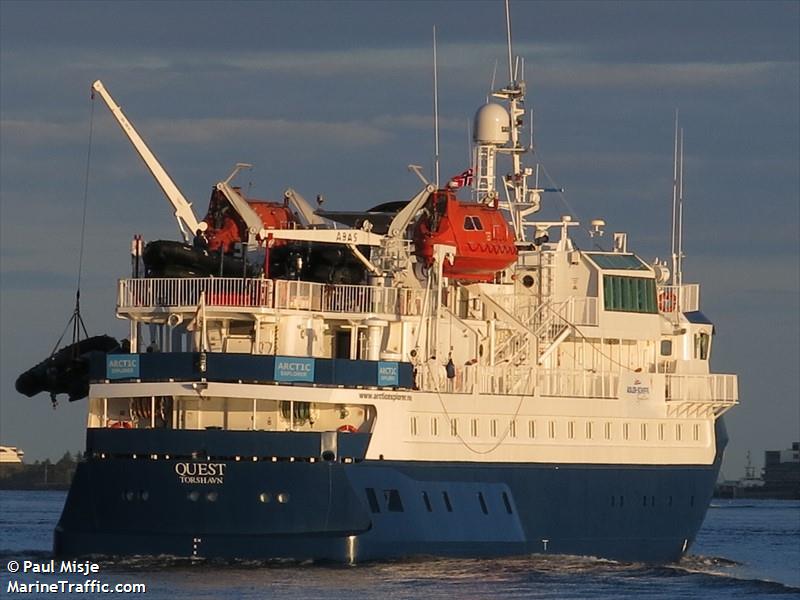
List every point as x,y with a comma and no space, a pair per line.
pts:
666,301
347,429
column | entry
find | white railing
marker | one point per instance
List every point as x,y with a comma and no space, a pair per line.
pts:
522,379
702,388
185,293
306,295
679,298
577,384
181,292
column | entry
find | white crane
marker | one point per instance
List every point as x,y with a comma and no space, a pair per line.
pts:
187,221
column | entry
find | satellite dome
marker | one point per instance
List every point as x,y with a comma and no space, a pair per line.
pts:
491,125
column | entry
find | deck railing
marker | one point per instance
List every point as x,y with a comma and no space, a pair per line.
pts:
679,298
701,388
184,293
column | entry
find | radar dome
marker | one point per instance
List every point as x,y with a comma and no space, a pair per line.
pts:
491,125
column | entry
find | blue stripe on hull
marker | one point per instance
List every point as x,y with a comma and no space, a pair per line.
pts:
382,509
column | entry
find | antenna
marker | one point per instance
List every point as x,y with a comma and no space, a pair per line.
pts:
494,77
680,213
435,111
675,204
508,34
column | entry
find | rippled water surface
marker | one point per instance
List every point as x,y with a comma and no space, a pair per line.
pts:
746,549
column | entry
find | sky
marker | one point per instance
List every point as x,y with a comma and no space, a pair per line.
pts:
335,98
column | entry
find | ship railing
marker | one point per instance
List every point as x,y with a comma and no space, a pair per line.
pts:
342,298
185,292
716,387
523,379
679,298
577,383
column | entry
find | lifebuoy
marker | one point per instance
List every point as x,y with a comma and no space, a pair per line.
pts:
666,301
347,429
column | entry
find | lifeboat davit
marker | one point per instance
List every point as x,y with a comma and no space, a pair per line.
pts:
483,241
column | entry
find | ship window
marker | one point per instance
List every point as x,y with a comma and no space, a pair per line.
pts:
666,347
552,429
493,427
589,427
696,432
473,224
625,431
393,501
608,430
434,426
531,429
507,502
701,343
661,431
447,504
373,500
454,427
484,508
427,501
474,427
678,431
512,428
629,294
413,425
571,429
644,431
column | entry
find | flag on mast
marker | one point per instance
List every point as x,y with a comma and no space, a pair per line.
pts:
464,179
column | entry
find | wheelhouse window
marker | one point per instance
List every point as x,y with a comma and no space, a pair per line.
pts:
701,343
629,294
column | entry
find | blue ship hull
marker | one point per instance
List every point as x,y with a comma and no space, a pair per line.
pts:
127,498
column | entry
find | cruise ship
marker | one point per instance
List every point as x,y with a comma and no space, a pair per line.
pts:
445,376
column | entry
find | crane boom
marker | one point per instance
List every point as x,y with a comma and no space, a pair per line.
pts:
183,208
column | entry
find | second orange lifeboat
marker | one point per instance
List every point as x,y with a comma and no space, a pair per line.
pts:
482,238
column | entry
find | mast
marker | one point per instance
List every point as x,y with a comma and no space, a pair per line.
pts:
674,238
435,111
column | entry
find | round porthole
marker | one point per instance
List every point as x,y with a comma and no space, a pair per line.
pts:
282,497
264,497
194,496
212,496
528,281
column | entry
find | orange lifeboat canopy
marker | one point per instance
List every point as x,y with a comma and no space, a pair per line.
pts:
482,238
226,228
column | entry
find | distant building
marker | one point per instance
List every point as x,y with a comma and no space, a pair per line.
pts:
782,470
10,454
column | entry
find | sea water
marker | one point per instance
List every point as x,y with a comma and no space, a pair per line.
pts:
746,549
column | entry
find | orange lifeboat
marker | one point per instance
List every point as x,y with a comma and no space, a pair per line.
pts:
226,227
483,241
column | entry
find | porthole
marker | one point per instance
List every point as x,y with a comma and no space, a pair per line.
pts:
194,495
264,497
282,497
212,496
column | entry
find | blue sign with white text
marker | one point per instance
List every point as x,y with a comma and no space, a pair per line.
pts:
122,366
388,374
292,368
